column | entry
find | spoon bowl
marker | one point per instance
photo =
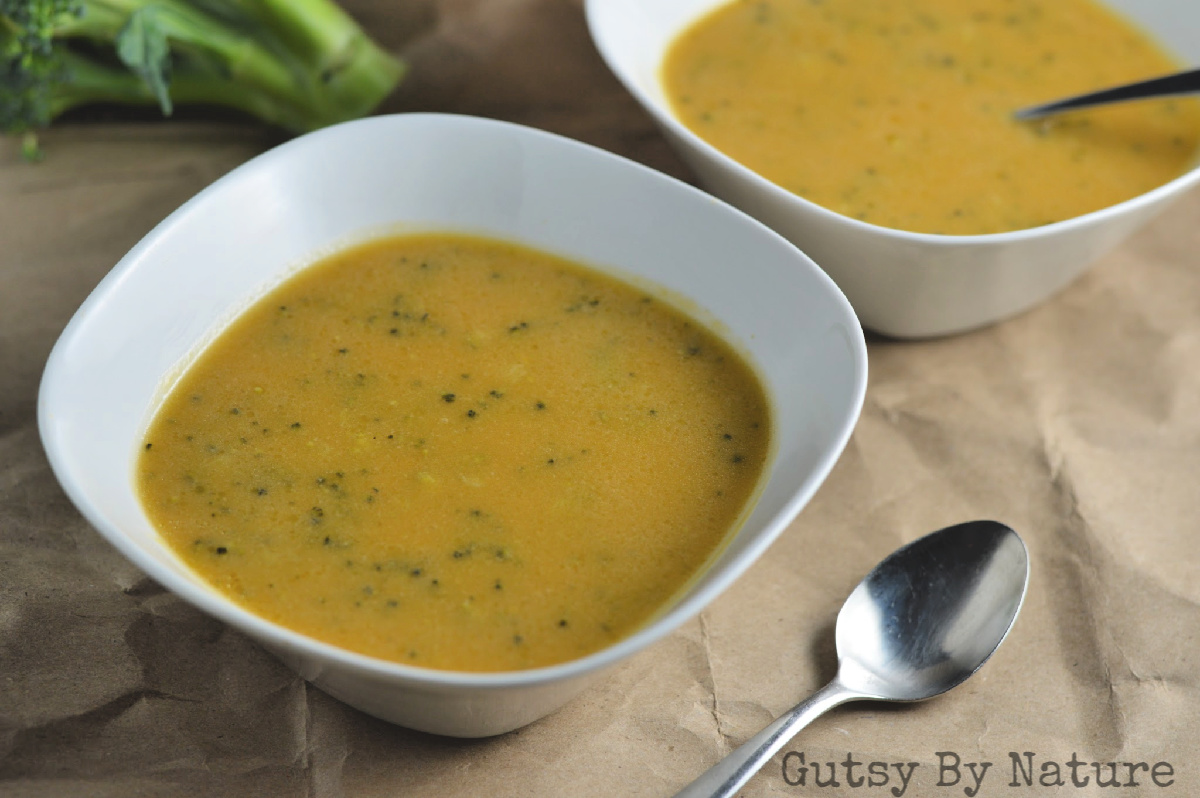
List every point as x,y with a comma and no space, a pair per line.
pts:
932,612
925,619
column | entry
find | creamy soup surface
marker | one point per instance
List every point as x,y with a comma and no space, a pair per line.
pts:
898,112
457,453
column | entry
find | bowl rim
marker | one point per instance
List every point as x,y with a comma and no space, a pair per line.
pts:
664,117
275,636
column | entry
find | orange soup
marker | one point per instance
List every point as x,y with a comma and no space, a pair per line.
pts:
457,453
898,112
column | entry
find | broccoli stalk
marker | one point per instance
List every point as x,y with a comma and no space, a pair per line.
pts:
297,64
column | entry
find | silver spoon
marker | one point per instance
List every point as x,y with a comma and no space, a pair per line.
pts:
923,621
1179,83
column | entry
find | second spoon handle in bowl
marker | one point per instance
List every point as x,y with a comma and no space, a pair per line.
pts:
1179,83
724,779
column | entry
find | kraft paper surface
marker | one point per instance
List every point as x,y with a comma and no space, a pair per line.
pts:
1077,423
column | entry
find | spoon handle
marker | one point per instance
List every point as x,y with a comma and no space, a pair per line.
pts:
1179,83
724,779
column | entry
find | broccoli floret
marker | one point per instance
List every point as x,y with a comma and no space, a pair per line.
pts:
298,64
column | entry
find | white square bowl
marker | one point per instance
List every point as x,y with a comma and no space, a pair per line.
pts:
241,236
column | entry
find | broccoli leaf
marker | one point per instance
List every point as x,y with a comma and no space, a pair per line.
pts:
142,45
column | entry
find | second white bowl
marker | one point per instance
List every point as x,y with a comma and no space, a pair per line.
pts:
900,283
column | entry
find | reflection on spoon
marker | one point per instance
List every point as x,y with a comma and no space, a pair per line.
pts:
1179,83
924,620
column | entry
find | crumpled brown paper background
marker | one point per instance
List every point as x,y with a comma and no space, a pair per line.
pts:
1077,423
